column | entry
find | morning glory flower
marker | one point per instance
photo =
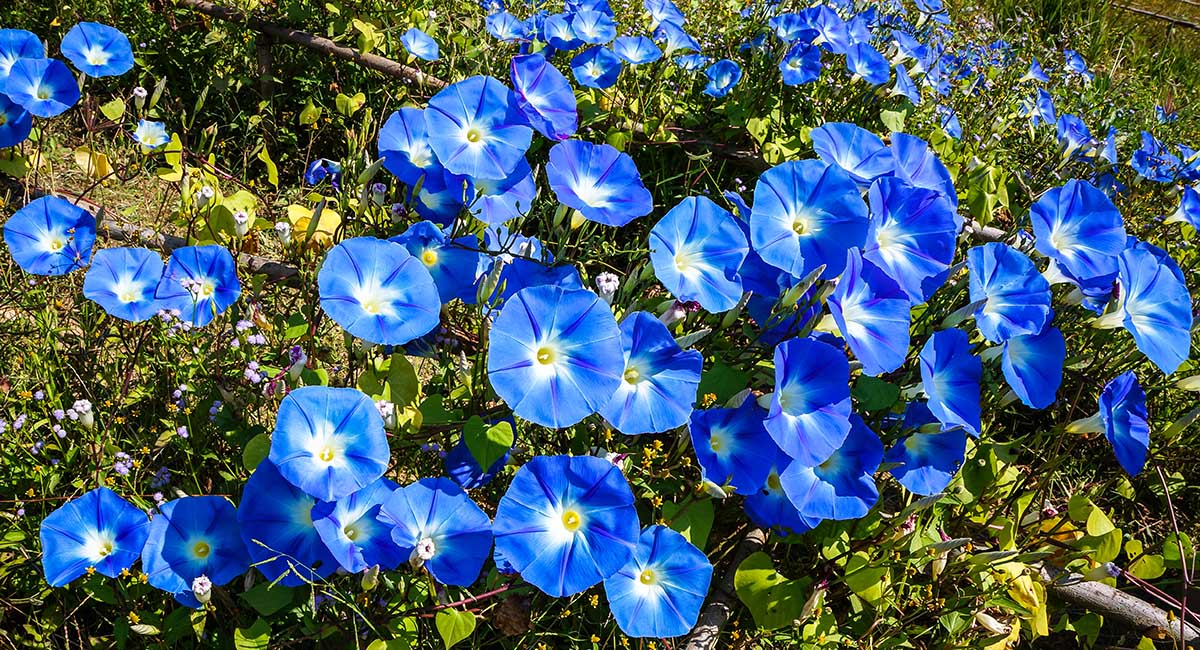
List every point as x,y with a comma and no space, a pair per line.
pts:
498,201
44,87
404,147
1035,73
17,44
329,442
801,64
278,531
596,67
905,87
911,236
660,591
559,33
659,382
192,537
98,50
927,461
949,122
810,408
806,214
872,313
663,11
832,34
435,524
152,135
322,168
420,44
1033,366
917,165
599,181
199,281
729,442
790,28
378,292
98,530
441,201
769,506
636,50
691,62
696,250
566,523
544,96
843,486
451,262
1015,297
865,62
1188,211
50,236
475,129
555,355
722,77
506,27
593,27
1044,109
676,39
349,528
951,375
856,150
123,280
15,122
1074,63
1155,305
1126,422
1079,228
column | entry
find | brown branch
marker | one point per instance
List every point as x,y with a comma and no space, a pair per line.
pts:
319,43
1162,17
722,598
1116,605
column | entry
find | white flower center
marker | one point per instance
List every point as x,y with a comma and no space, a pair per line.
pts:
374,298
594,194
98,544
127,290
96,55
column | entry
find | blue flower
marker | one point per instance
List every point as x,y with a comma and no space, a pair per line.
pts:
1014,297
696,250
856,150
636,50
810,408
596,67
1156,306
791,28
1078,227
722,77
463,469
660,379
98,50
917,165
404,147
322,168
436,524
506,27
199,281
475,128
123,280
498,201
599,181
50,236
566,523
691,62
660,591
872,313
1033,366
277,528
663,11
544,96
1035,73
378,292
769,506
927,461
949,122
329,442
192,537
151,135
676,39
15,122
17,44
441,201
1076,64
866,62
593,27
951,375
807,214
1188,211
843,486
555,355
801,64
1074,137
905,87
350,529
729,443
420,44
98,529
1126,421
832,34
559,33
451,263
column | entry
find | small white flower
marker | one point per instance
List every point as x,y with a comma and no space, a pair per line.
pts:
284,230
202,588
387,411
140,93
422,552
607,284
83,411
205,195
241,223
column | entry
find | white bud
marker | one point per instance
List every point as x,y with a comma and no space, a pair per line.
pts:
284,230
241,223
202,588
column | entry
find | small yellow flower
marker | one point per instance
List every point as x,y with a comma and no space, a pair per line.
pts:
137,463
145,450
708,399
108,480
125,572
735,635
172,407
565,613
658,445
594,601
24,394
108,403
91,570
624,642
657,501
595,639
143,578
30,492
120,419
134,618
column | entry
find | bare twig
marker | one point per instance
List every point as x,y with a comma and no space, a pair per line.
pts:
722,596
1116,605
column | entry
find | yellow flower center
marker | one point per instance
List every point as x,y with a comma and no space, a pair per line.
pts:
351,532
473,135
57,244
372,307
798,227
773,482
201,549
632,375
716,441
647,577
429,257
545,356
326,454
106,548
43,93
571,520
128,296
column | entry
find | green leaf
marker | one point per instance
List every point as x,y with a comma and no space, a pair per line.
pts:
866,581
255,637
349,105
272,170
256,450
297,326
144,629
114,110
267,599
772,599
694,522
454,625
723,381
433,411
874,394
392,378
487,444
309,114
893,120
1171,555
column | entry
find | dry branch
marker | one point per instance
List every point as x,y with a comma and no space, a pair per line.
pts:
1116,605
722,598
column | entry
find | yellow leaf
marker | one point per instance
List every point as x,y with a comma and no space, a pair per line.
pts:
1008,641
93,163
300,218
